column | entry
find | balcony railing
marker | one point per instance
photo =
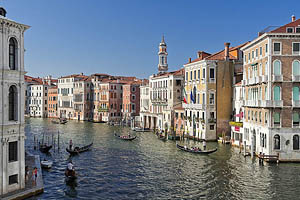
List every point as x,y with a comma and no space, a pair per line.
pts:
296,103
277,78
194,106
296,78
278,103
264,78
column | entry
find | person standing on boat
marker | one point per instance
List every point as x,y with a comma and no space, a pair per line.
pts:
70,145
70,166
204,145
34,175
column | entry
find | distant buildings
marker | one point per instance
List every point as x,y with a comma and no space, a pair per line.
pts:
12,151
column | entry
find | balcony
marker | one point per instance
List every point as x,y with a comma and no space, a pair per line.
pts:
278,103
212,120
296,103
296,78
251,81
194,106
277,78
256,79
266,103
263,78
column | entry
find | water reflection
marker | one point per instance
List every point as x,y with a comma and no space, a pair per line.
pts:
147,168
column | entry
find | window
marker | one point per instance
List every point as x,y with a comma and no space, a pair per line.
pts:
296,119
252,54
256,53
276,142
13,101
266,68
199,74
296,93
266,118
13,151
277,119
266,48
296,142
133,107
296,48
276,93
248,114
277,67
211,98
249,57
289,30
191,75
211,127
277,48
12,54
13,179
195,75
203,73
212,73
296,68
259,116
297,30
260,51
186,76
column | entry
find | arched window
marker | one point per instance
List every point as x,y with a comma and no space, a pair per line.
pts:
276,118
296,142
296,93
276,93
13,103
277,66
13,54
276,142
296,68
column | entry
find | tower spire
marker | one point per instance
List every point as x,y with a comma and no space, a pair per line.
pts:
162,56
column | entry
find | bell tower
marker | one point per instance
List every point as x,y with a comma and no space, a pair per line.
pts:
162,56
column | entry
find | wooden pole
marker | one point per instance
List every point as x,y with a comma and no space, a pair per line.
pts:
58,141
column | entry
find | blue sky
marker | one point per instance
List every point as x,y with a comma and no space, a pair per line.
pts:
121,37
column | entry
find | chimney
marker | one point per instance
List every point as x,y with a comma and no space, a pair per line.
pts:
226,51
190,60
293,18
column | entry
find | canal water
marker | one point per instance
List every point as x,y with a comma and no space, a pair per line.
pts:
148,168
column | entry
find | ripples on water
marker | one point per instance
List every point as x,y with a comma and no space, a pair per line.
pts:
148,168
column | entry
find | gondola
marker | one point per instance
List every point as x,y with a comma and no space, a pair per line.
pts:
47,164
128,138
70,175
163,138
55,122
199,151
78,150
45,148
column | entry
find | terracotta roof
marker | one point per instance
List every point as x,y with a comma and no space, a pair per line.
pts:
74,76
221,54
177,72
282,29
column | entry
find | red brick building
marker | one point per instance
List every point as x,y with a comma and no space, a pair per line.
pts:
52,102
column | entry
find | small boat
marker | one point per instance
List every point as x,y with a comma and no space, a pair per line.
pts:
70,175
54,121
78,150
128,138
63,121
163,138
46,164
45,148
197,150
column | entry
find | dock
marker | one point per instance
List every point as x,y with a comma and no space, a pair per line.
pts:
30,189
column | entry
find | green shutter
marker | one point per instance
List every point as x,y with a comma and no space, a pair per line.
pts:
296,93
295,117
276,93
296,70
277,117
277,67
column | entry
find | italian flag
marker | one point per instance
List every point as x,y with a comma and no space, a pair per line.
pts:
184,95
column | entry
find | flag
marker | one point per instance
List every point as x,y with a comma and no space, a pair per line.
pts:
184,96
192,97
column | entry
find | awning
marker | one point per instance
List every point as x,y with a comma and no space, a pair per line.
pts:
254,64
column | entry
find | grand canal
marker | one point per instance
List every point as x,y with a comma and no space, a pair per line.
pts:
148,168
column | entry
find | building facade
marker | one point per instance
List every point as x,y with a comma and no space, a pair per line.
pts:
52,102
12,150
82,102
271,82
208,91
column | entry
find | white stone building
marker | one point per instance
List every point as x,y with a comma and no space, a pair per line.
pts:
65,89
238,114
12,90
